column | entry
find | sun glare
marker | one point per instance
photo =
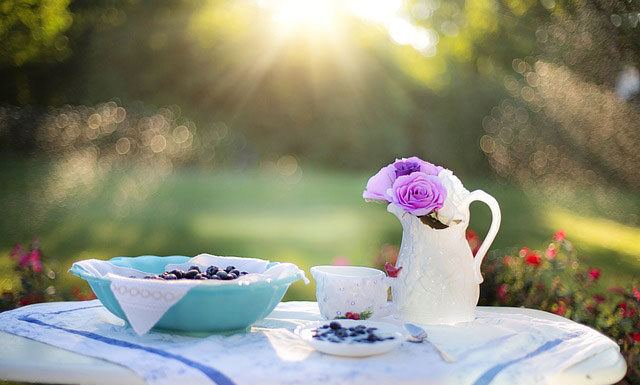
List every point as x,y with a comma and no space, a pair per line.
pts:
294,15
321,19
380,11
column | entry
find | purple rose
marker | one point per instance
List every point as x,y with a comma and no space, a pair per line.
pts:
378,184
407,166
418,193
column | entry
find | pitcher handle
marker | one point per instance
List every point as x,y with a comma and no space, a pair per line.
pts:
479,195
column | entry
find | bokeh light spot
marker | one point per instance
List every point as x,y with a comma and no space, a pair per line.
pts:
123,145
158,143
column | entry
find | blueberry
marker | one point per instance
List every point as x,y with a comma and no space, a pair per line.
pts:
170,277
222,274
342,333
232,276
191,274
236,272
215,277
334,325
325,326
369,330
196,268
178,273
243,273
372,338
212,270
201,277
229,268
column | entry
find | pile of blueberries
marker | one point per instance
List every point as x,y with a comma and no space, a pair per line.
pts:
194,272
334,332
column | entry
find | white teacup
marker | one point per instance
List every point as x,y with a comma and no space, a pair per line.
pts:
351,290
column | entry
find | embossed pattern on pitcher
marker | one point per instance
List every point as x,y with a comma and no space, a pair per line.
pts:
439,280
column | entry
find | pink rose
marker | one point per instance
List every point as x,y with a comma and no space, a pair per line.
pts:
378,184
418,193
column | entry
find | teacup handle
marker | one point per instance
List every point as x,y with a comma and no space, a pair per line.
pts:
479,195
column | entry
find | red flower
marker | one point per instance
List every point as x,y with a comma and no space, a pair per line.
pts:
533,259
473,240
506,260
356,316
560,235
502,292
551,252
591,308
34,260
29,299
636,292
392,271
625,311
525,251
598,298
559,309
635,336
349,315
24,260
594,273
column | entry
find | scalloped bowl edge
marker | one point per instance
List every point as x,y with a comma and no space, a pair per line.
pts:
205,308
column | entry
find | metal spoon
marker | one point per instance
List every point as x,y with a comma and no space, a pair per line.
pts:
418,335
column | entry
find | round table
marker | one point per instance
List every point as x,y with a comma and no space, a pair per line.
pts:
31,361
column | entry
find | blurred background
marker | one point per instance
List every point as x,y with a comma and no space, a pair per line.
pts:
250,127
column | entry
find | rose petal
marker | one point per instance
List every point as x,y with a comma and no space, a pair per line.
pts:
378,184
418,194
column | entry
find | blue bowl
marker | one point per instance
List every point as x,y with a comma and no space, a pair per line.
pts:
205,308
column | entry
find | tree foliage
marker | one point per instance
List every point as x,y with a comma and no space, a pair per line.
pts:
33,31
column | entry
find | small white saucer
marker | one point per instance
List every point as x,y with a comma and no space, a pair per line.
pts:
353,349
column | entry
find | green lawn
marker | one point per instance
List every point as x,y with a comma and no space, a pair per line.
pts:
258,214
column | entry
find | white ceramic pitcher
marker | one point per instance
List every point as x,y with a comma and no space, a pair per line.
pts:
440,278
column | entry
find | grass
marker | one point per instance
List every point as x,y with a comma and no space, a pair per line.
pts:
310,220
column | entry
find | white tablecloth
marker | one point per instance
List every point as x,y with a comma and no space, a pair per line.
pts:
497,348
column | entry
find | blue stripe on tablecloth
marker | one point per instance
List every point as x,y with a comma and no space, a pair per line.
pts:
70,310
216,376
490,374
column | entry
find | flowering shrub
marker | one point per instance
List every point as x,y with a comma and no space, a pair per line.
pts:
37,281
555,280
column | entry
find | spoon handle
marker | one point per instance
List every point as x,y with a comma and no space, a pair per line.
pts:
443,354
